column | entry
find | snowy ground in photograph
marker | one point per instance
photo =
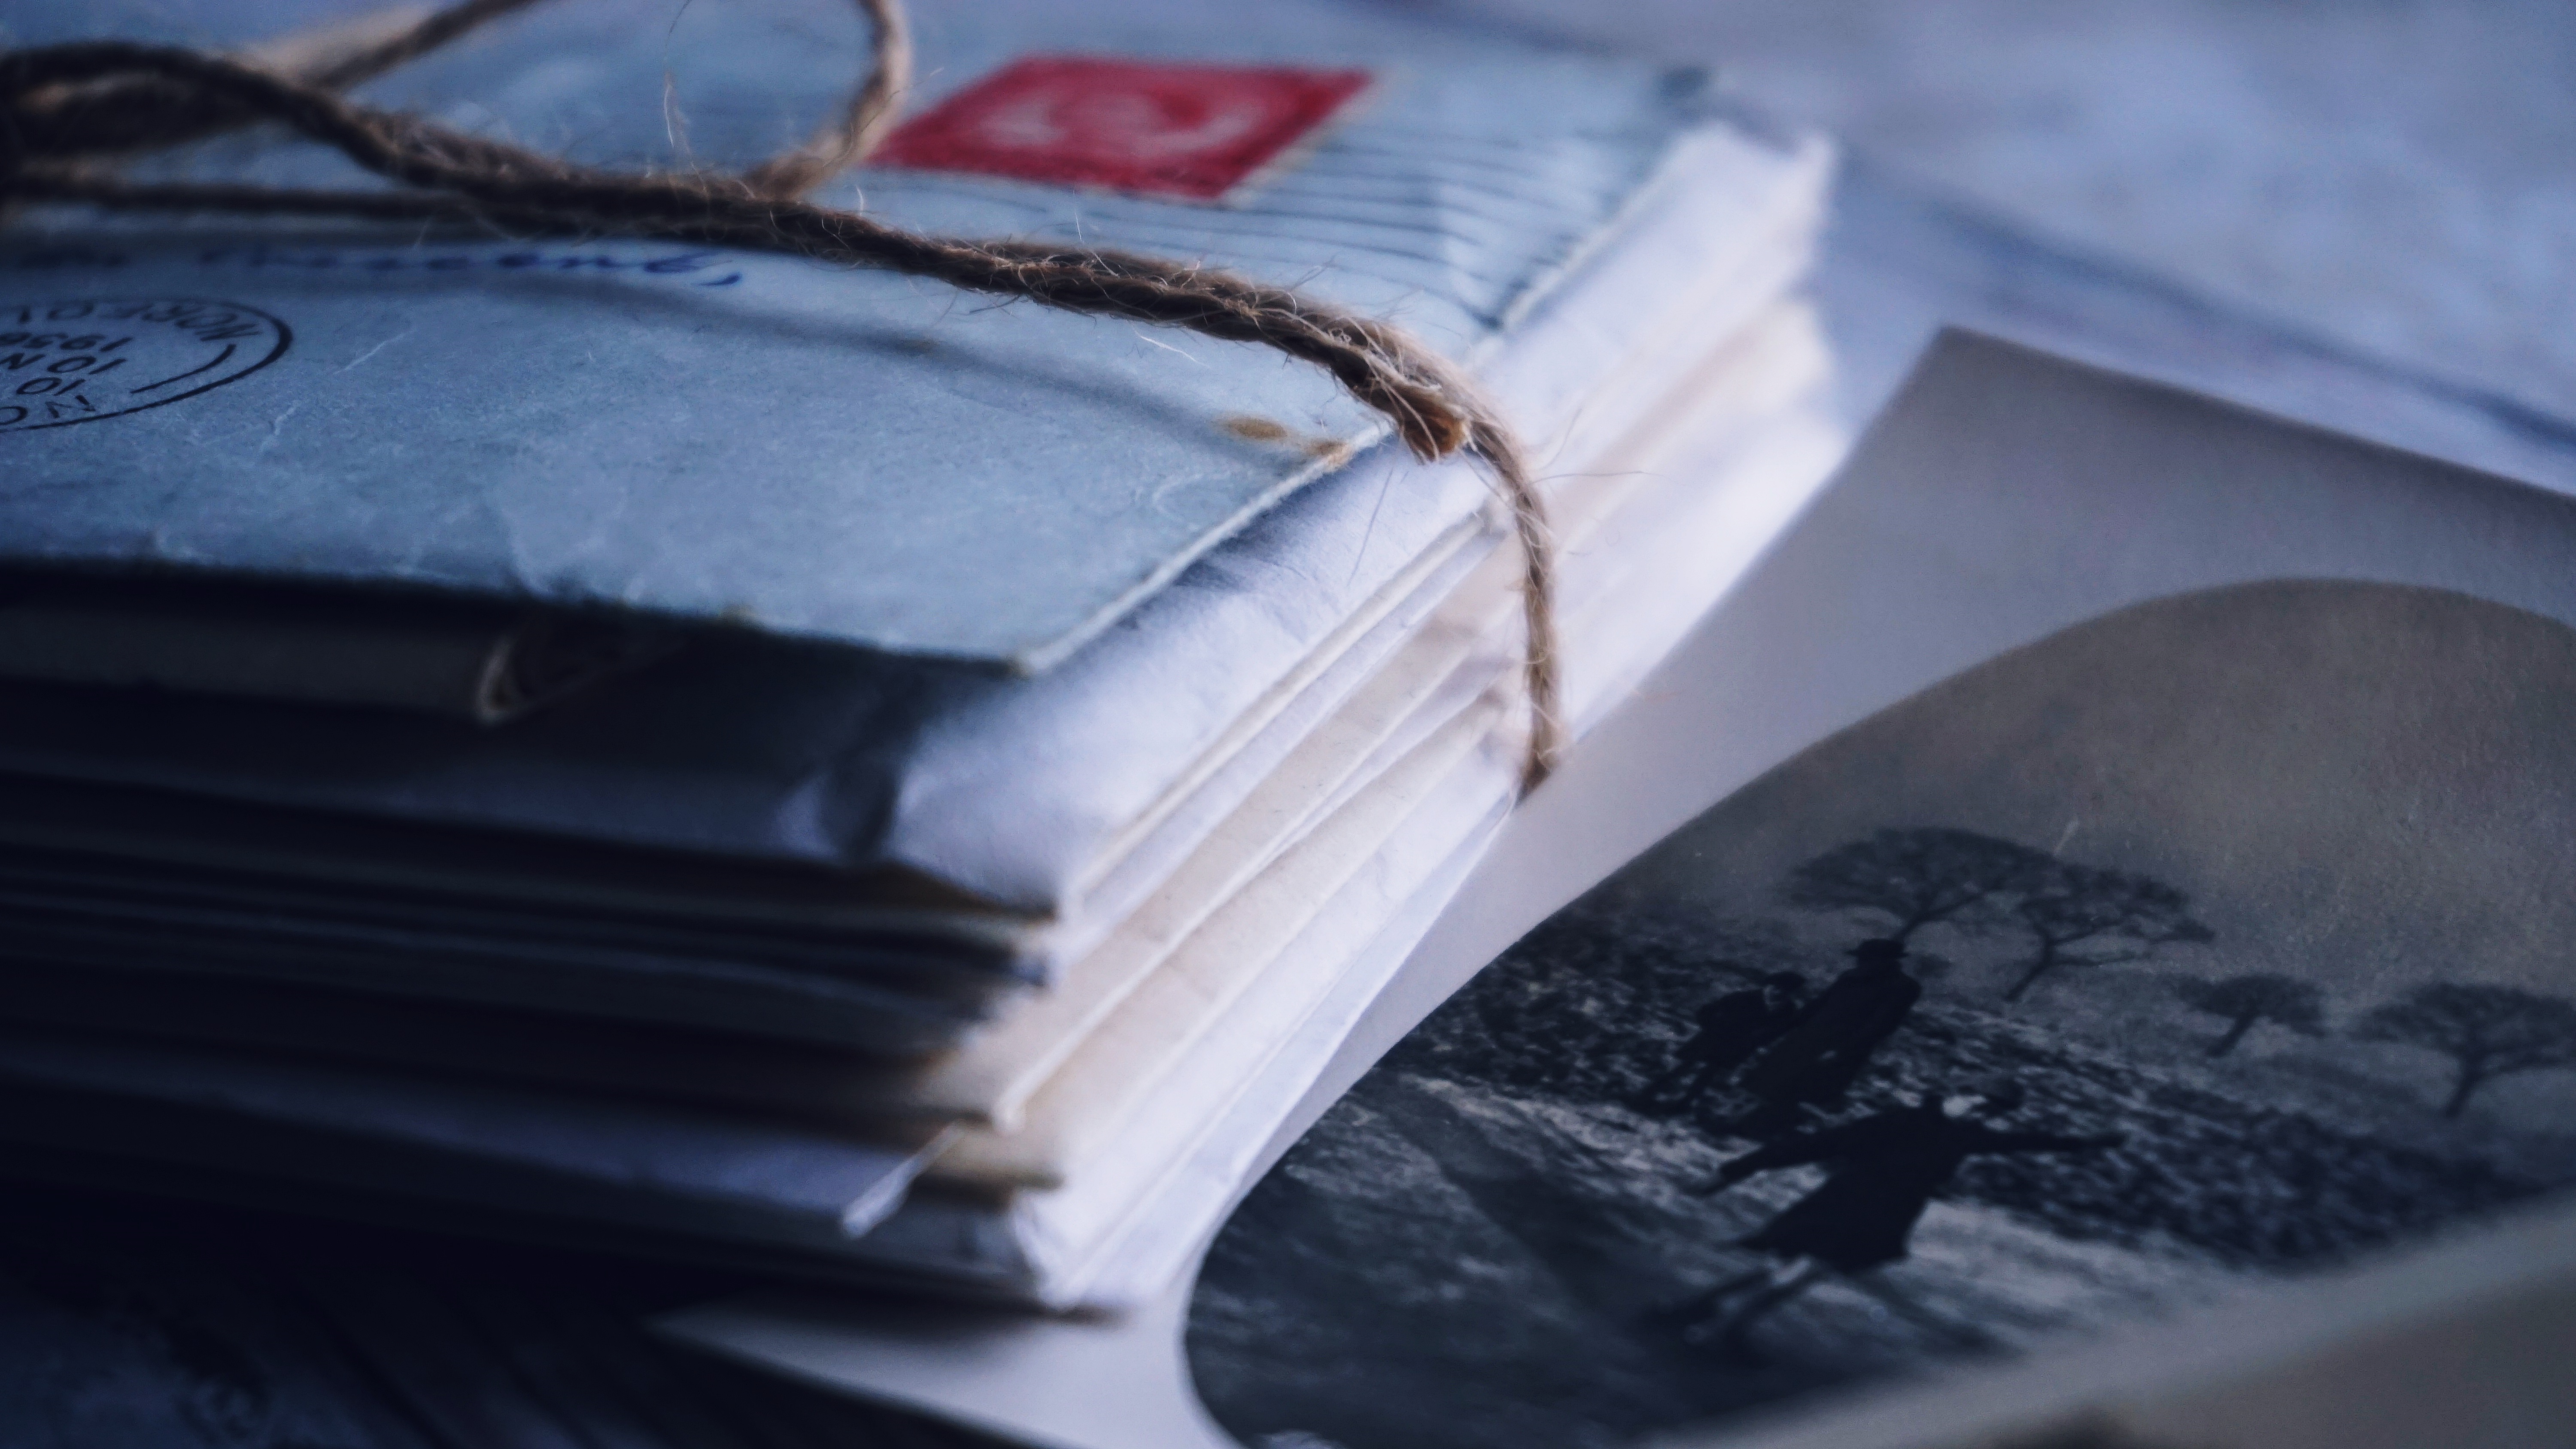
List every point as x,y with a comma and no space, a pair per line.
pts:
1470,1249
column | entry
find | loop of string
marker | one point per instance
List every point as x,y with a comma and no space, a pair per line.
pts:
68,111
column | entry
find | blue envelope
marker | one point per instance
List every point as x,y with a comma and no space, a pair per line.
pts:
846,456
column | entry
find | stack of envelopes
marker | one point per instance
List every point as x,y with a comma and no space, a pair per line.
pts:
794,765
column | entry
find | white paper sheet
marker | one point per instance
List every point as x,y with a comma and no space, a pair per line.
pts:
2007,496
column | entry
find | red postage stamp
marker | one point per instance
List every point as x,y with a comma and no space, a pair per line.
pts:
1193,131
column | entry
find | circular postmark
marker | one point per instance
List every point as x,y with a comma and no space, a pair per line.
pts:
65,362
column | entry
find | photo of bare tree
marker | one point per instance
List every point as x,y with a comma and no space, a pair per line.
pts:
2203,947
1916,878
2486,1031
2251,999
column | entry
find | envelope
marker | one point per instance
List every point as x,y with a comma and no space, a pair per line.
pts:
843,455
753,803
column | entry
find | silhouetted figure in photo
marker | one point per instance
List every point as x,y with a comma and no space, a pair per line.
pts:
1731,1028
1820,1056
1882,1172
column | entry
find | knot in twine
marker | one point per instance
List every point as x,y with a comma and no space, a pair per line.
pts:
67,111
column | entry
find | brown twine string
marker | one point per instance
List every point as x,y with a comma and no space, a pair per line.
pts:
66,110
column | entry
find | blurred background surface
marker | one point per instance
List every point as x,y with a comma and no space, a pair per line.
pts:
2398,175
2390,182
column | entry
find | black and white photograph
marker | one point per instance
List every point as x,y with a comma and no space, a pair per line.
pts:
2206,945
